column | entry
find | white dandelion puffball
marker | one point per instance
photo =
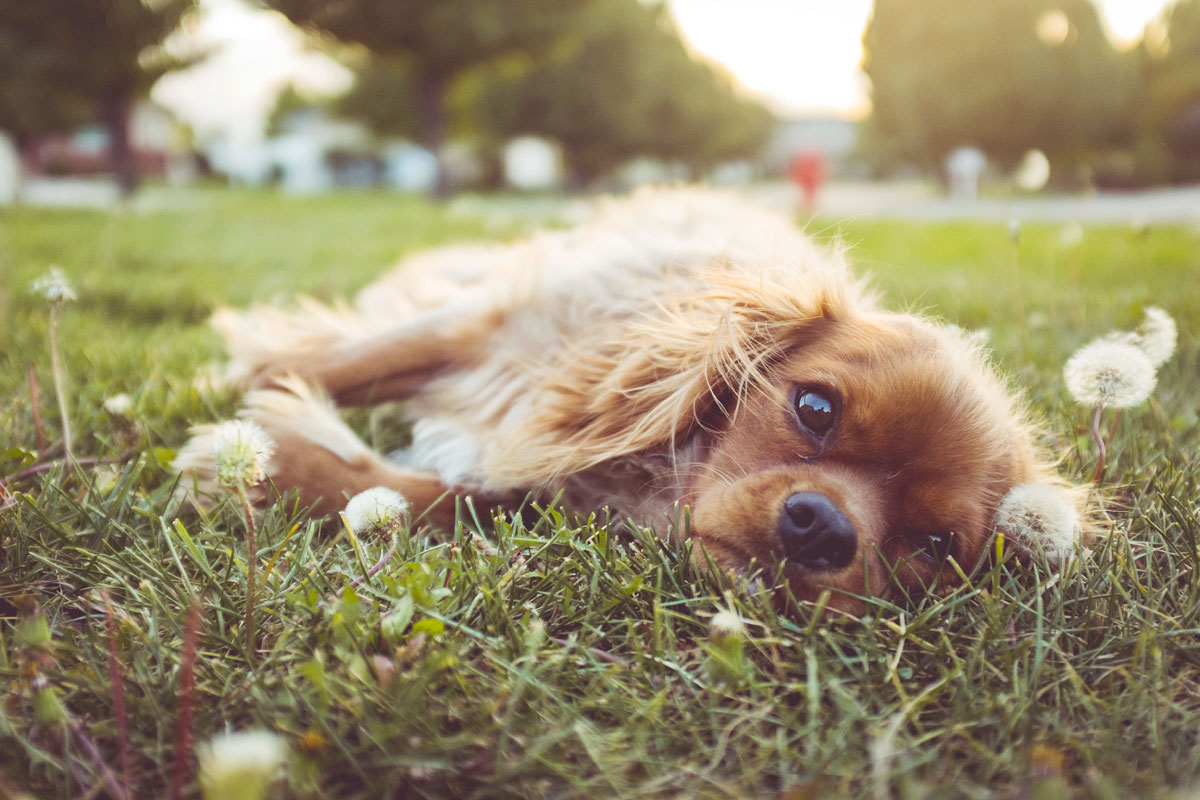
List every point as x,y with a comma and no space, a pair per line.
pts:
54,286
375,509
1115,373
119,405
1157,335
241,765
1040,518
242,451
726,626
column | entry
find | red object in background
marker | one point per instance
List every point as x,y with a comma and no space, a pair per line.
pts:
808,169
85,153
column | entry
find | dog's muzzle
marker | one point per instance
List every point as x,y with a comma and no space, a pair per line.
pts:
815,532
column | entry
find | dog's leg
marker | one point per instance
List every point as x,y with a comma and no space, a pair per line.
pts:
317,454
354,366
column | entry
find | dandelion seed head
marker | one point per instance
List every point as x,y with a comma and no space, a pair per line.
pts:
1039,517
726,626
240,765
242,452
119,405
375,509
1014,230
1157,335
54,286
1116,373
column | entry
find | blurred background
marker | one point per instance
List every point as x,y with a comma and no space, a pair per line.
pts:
835,106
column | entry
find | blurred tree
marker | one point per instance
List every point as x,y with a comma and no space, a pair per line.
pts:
288,102
27,109
63,62
439,40
383,98
623,86
1005,77
1168,120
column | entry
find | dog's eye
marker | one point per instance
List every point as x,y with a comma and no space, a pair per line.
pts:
815,411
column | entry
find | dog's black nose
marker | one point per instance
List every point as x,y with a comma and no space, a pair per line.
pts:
815,532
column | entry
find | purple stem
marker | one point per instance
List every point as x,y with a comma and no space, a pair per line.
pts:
375,569
1099,473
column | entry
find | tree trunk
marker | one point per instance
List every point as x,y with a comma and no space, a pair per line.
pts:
431,95
116,111
23,144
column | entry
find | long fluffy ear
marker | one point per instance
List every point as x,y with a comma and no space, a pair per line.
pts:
1045,519
649,382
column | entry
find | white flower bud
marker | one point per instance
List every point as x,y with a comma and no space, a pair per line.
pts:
242,451
240,766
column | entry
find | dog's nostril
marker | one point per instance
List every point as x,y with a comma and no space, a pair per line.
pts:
802,515
815,532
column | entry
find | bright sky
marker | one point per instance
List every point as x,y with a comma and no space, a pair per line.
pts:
800,56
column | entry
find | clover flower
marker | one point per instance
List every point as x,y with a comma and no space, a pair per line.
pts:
1115,374
1039,517
241,765
55,287
242,452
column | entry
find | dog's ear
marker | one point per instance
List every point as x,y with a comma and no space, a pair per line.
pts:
653,380
1044,519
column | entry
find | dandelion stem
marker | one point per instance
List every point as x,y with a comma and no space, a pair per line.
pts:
1018,301
375,569
1099,473
183,733
38,469
118,692
251,569
93,753
1112,426
35,403
60,382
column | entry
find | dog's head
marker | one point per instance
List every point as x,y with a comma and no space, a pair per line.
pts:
869,452
860,449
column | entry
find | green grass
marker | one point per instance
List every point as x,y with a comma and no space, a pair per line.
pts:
570,661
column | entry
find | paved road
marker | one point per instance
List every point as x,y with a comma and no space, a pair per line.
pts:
919,201
840,200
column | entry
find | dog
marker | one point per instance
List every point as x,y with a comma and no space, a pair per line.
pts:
683,355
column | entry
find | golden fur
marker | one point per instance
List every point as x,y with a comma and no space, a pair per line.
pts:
650,360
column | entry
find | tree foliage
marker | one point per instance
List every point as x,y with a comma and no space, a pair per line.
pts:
608,79
1168,118
436,41
384,98
624,86
1006,77
63,62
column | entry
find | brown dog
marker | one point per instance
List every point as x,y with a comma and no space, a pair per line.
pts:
683,349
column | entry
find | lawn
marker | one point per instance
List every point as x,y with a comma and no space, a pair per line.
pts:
561,659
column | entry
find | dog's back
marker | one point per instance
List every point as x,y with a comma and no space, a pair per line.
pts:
510,314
